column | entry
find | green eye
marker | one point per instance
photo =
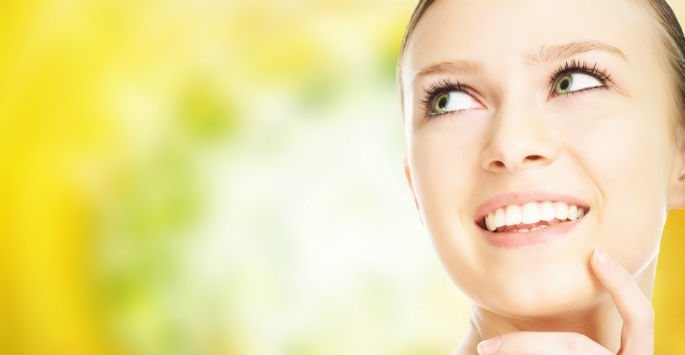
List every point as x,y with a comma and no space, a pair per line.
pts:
451,101
441,103
562,85
575,81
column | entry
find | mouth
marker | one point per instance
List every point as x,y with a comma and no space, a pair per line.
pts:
531,233
531,217
521,218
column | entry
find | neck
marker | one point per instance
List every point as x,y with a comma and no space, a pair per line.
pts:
600,322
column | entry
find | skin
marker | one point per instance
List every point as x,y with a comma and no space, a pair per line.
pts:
614,148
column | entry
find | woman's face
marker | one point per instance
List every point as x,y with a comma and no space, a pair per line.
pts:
520,128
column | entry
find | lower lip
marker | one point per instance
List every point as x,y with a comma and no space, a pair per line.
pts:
515,239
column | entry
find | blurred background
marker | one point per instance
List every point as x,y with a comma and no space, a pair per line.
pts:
222,177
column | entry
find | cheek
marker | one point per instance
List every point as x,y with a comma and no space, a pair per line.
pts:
443,156
626,159
444,171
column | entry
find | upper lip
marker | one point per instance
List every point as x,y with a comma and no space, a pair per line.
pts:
523,197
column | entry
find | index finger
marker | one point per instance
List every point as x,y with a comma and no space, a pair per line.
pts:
637,336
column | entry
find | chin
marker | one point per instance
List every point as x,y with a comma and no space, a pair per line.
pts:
540,295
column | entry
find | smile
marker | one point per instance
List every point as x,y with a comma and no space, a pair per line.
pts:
530,217
521,218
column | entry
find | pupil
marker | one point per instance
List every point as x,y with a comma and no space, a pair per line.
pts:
564,84
442,102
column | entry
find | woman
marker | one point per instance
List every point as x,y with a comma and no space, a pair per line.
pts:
539,131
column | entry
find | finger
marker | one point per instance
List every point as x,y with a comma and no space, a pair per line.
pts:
637,336
542,343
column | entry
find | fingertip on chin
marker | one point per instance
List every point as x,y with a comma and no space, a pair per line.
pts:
602,260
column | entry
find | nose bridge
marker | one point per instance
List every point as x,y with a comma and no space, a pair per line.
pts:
520,136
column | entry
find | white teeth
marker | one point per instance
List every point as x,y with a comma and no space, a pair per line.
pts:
513,215
489,222
572,212
523,230
500,217
532,212
560,210
546,211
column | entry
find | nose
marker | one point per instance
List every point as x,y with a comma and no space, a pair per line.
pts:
519,139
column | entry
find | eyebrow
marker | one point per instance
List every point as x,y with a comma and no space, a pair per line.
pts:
548,53
562,51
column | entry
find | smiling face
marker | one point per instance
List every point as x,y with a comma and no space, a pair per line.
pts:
567,97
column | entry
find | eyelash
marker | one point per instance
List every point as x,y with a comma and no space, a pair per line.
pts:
438,88
572,66
575,66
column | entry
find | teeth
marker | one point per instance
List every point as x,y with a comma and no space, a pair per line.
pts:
547,211
513,215
560,210
523,230
572,212
500,218
532,212
490,221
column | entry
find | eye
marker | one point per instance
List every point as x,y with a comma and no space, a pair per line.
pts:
572,82
577,76
450,101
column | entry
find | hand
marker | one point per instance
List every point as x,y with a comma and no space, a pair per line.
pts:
637,336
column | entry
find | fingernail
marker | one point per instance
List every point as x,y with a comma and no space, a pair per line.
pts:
603,258
489,346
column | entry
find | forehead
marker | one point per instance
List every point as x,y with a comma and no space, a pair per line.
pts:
491,32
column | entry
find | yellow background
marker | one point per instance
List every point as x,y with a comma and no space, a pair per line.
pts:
212,177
